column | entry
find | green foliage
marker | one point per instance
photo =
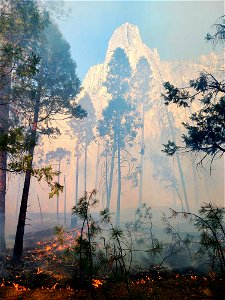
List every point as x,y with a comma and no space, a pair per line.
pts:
84,131
205,133
144,225
21,24
219,35
85,246
170,148
46,173
211,224
117,82
13,140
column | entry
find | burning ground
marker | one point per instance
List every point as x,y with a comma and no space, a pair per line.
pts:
48,271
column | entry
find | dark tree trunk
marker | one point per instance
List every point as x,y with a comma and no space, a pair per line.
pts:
4,123
3,164
18,246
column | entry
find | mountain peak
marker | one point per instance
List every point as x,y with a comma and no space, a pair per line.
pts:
125,36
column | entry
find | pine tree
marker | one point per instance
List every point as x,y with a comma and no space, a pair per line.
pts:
48,93
21,23
120,120
140,94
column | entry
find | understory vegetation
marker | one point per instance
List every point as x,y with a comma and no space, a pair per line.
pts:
139,260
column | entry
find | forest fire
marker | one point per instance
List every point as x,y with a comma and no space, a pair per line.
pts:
97,283
19,287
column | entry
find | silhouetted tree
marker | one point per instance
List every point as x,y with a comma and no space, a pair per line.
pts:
84,133
50,92
21,24
120,120
140,94
206,132
58,155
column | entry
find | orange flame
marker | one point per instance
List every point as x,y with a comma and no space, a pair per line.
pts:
19,287
97,283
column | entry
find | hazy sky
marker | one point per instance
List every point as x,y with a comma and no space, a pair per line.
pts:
176,28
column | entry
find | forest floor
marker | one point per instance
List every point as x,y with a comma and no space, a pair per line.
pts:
45,273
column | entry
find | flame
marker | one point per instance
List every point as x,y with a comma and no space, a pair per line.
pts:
144,281
48,248
141,281
39,271
19,287
97,283
54,286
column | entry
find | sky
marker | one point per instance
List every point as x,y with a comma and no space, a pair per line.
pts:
176,28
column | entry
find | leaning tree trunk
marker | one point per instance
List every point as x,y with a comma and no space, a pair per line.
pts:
142,158
18,246
179,164
4,123
177,157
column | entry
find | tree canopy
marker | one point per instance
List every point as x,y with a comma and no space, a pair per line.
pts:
205,133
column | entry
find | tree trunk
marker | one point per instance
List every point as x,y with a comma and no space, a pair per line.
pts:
4,123
119,179
106,177
195,183
85,167
142,158
18,196
77,172
39,204
57,196
64,200
3,165
179,164
111,174
18,246
96,167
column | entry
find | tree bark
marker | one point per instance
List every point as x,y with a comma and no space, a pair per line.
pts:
4,123
3,165
18,246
